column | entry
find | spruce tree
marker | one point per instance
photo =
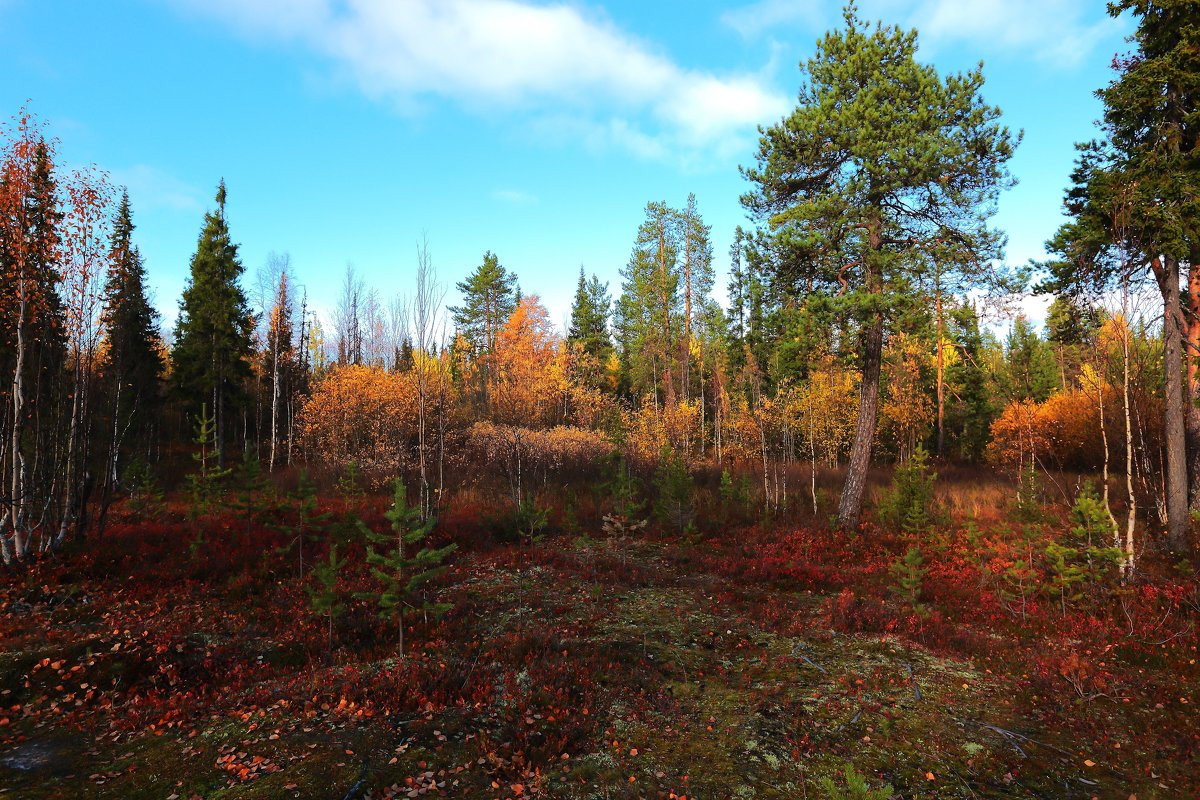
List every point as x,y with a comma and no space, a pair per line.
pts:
211,353
133,366
883,159
588,331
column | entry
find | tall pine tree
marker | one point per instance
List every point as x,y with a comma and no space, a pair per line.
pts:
490,296
882,159
649,309
211,353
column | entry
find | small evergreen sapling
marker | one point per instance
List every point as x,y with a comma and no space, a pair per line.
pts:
734,495
204,484
908,504
675,504
856,787
403,575
530,519
324,597
252,488
1079,562
349,484
308,519
622,491
909,573
141,486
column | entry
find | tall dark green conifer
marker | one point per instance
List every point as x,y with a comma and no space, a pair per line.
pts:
588,330
1135,204
882,159
133,361
211,353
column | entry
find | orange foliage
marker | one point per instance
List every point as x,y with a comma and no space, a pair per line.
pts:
1062,431
364,414
530,381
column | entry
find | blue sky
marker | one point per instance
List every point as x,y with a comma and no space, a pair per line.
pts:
347,129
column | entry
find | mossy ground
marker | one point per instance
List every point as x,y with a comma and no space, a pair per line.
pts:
572,669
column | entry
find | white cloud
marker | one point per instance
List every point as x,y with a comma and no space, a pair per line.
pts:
1061,32
549,60
1058,32
763,16
152,188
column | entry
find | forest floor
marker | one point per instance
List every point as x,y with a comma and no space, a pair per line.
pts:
178,660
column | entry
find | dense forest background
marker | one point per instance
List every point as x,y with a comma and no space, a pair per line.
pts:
864,530
862,326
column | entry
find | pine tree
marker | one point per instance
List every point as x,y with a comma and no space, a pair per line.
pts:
402,575
649,309
133,366
210,357
1132,206
909,573
309,519
489,299
882,159
696,283
675,505
205,483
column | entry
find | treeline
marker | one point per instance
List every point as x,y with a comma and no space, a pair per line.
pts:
855,326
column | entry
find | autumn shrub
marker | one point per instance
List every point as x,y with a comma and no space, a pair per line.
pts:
851,612
651,426
530,456
365,415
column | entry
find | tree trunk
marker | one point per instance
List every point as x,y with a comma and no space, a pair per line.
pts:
854,490
1128,564
274,396
17,500
1175,478
941,375
1192,351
